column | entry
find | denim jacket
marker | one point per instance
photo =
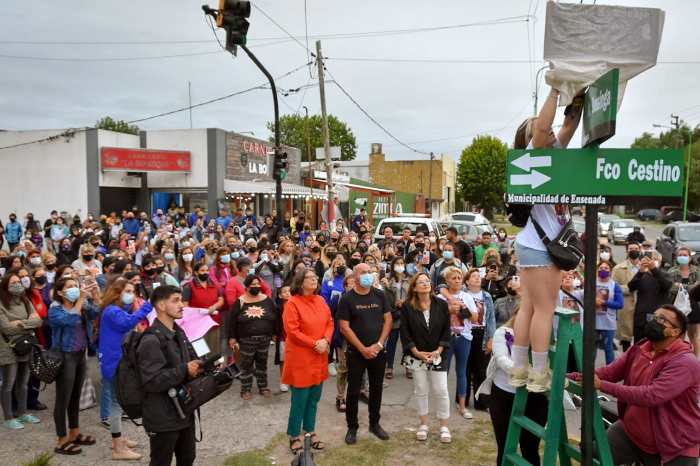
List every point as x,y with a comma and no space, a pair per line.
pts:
65,325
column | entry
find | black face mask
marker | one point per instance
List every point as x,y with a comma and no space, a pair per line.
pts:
41,280
331,255
512,292
150,271
50,266
203,277
340,270
254,290
88,257
354,262
654,331
634,255
12,219
322,243
316,250
420,246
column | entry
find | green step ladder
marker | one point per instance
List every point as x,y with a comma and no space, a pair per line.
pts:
556,440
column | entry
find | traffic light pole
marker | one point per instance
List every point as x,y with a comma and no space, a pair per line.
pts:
278,177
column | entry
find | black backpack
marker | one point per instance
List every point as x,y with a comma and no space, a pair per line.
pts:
127,381
518,214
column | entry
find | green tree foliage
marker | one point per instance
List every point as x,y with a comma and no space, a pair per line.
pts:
119,126
302,133
678,138
481,173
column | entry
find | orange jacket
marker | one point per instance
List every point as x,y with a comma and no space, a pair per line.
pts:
306,319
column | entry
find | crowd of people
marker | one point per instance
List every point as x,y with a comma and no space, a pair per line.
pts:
330,302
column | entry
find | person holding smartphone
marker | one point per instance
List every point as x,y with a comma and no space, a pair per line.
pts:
652,286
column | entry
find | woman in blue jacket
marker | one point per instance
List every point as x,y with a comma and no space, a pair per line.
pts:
116,321
608,300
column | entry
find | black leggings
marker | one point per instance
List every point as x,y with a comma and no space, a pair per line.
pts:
69,385
500,407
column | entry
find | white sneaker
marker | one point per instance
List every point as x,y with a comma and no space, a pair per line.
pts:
284,388
466,414
332,370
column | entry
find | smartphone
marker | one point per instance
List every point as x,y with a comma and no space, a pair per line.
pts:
482,272
649,254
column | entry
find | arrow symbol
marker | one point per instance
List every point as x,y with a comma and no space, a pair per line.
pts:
534,179
526,162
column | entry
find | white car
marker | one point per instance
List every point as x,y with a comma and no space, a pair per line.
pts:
604,221
427,225
620,229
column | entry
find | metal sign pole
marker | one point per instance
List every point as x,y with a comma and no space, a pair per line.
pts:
589,348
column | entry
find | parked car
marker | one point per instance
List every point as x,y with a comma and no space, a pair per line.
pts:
398,224
677,216
675,235
649,214
470,231
471,217
604,223
620,229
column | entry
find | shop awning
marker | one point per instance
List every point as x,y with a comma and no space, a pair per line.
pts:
268,187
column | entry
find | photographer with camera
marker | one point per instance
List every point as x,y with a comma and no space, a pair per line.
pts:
166,360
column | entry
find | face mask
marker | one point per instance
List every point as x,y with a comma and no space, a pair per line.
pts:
252,249
577,283
72,294
340,270
399,269
605,256
169,256
683,260
603,274
127,298
354,262
26,282
36,260
316,250
12,219
16,289
366,280
225,259
331,255
254,290
41,280
50,266
88,257
634,255
654,331
512,292
150,271
187,257
21,253
264,257
203,277
420,246
251,271
160,269
236,254
448,255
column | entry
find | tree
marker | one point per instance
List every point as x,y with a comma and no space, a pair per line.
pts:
297,131
120,126
670,140
481,173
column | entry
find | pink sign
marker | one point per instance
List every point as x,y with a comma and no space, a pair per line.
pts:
196,322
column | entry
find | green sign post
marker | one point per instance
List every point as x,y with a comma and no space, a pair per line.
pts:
593,176
600,109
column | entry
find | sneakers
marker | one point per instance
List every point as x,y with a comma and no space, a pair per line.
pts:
539,382
105,423
28,419
332,371
13,424
518,376
466,414
284,388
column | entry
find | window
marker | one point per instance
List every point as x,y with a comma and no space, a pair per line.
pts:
689,233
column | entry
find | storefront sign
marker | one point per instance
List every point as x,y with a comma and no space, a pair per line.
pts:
145,160
600,109
257,168
593,176
256,148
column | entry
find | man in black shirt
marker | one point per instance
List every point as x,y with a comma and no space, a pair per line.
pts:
365,321
462,248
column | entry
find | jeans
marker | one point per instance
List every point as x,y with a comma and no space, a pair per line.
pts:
115,411
608,337
106,399
69,384
625,451
302,412
357,365
438,382
14,379
459,347
341,379
391,344
180,443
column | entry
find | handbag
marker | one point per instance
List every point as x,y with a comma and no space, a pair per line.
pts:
21,344
682,301
45,365
566,250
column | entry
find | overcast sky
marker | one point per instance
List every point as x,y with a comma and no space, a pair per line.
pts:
448,102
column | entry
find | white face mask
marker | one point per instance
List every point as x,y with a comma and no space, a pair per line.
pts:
605,256
187,257
577,283
399,269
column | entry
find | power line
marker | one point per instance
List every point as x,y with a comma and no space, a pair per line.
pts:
475,61
279,26
71,132
104,59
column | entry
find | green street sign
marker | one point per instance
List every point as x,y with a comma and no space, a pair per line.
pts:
600,109
593,176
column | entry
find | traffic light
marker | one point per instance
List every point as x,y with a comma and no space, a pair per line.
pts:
281,166
232,17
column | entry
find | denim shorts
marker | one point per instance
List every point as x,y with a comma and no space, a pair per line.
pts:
528,257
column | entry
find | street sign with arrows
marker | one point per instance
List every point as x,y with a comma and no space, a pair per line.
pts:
593,176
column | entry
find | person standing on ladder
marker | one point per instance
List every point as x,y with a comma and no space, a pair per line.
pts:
539,277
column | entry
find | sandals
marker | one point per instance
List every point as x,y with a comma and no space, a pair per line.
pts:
422,433
445,436
316,444
247,396
389,374
68,448
340,405
294,449
85,440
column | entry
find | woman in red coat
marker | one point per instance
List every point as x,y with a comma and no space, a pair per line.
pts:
309,328
201,292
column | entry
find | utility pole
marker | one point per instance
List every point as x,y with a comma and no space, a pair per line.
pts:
326,138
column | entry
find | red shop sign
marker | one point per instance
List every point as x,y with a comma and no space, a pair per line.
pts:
145,160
